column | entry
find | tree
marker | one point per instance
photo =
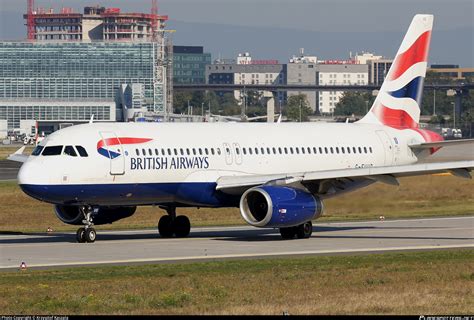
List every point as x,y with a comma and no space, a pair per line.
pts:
180,101
354,103
297,108
229,104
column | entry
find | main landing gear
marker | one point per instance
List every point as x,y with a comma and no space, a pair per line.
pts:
171,224
86,233
301,231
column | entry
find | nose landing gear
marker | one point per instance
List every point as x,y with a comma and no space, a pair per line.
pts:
86,233
171,224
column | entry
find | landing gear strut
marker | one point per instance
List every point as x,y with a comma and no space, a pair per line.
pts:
86,233
171,224
301,231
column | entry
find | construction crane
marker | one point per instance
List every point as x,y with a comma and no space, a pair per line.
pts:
30,22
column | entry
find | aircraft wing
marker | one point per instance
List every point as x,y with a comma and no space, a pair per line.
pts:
388,174
18,156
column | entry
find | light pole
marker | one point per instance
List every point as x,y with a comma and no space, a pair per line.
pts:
454,115
202,109
300,110
434,102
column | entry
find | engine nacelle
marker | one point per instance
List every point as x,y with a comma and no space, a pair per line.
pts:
104,215
273,206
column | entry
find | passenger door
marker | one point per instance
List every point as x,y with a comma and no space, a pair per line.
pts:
115,151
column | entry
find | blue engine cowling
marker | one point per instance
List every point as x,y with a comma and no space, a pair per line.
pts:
274,206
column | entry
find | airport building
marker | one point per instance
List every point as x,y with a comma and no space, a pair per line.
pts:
102,63
70,81
244,70
338,74
452,71
189,64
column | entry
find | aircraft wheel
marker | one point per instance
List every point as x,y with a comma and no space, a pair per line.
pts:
165,226
304,231
288,233
181,226
81,235
90,235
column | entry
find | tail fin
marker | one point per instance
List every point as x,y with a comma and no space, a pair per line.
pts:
398,102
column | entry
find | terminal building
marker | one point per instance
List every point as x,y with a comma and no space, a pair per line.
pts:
189,64
101,63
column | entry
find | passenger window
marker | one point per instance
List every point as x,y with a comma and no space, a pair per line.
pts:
206,151
279,150
37,151
69,150
237,150
297,150
354,150
200,151
262,150
365,149
169,151
268,150
274,150
250,150
194,151
188,151
163,152
360,150
309,150
144,152
83,152
156,152
150,153
256,150
286,150
337,150
370,149
326,150
320,150
219,151
181,151
227,150
212,151
342,150
244,150
348,150
302,150
52,151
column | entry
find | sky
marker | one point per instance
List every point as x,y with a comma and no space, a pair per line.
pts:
276,29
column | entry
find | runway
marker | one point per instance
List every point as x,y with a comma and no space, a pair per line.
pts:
217,243
9,170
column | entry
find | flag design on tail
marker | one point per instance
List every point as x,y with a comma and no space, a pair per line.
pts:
398,102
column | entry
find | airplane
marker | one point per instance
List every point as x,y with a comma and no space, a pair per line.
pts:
277,174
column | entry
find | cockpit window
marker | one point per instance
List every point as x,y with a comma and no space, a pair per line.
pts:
82,151
69,150
37,151
52,151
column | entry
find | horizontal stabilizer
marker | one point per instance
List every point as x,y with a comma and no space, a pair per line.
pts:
440,144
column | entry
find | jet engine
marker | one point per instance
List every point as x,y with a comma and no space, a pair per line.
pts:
274,206
104,215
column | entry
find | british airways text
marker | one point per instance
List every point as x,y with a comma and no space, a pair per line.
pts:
164,163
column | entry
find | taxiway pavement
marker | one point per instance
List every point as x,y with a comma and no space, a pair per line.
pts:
145,246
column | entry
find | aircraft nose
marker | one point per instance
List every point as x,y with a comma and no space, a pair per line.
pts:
31,180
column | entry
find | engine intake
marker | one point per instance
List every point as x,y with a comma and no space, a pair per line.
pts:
73,215
273,206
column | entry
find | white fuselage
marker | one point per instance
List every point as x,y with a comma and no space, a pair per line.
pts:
200,153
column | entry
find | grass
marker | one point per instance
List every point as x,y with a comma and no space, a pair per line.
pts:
6,151
416,197
433,282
